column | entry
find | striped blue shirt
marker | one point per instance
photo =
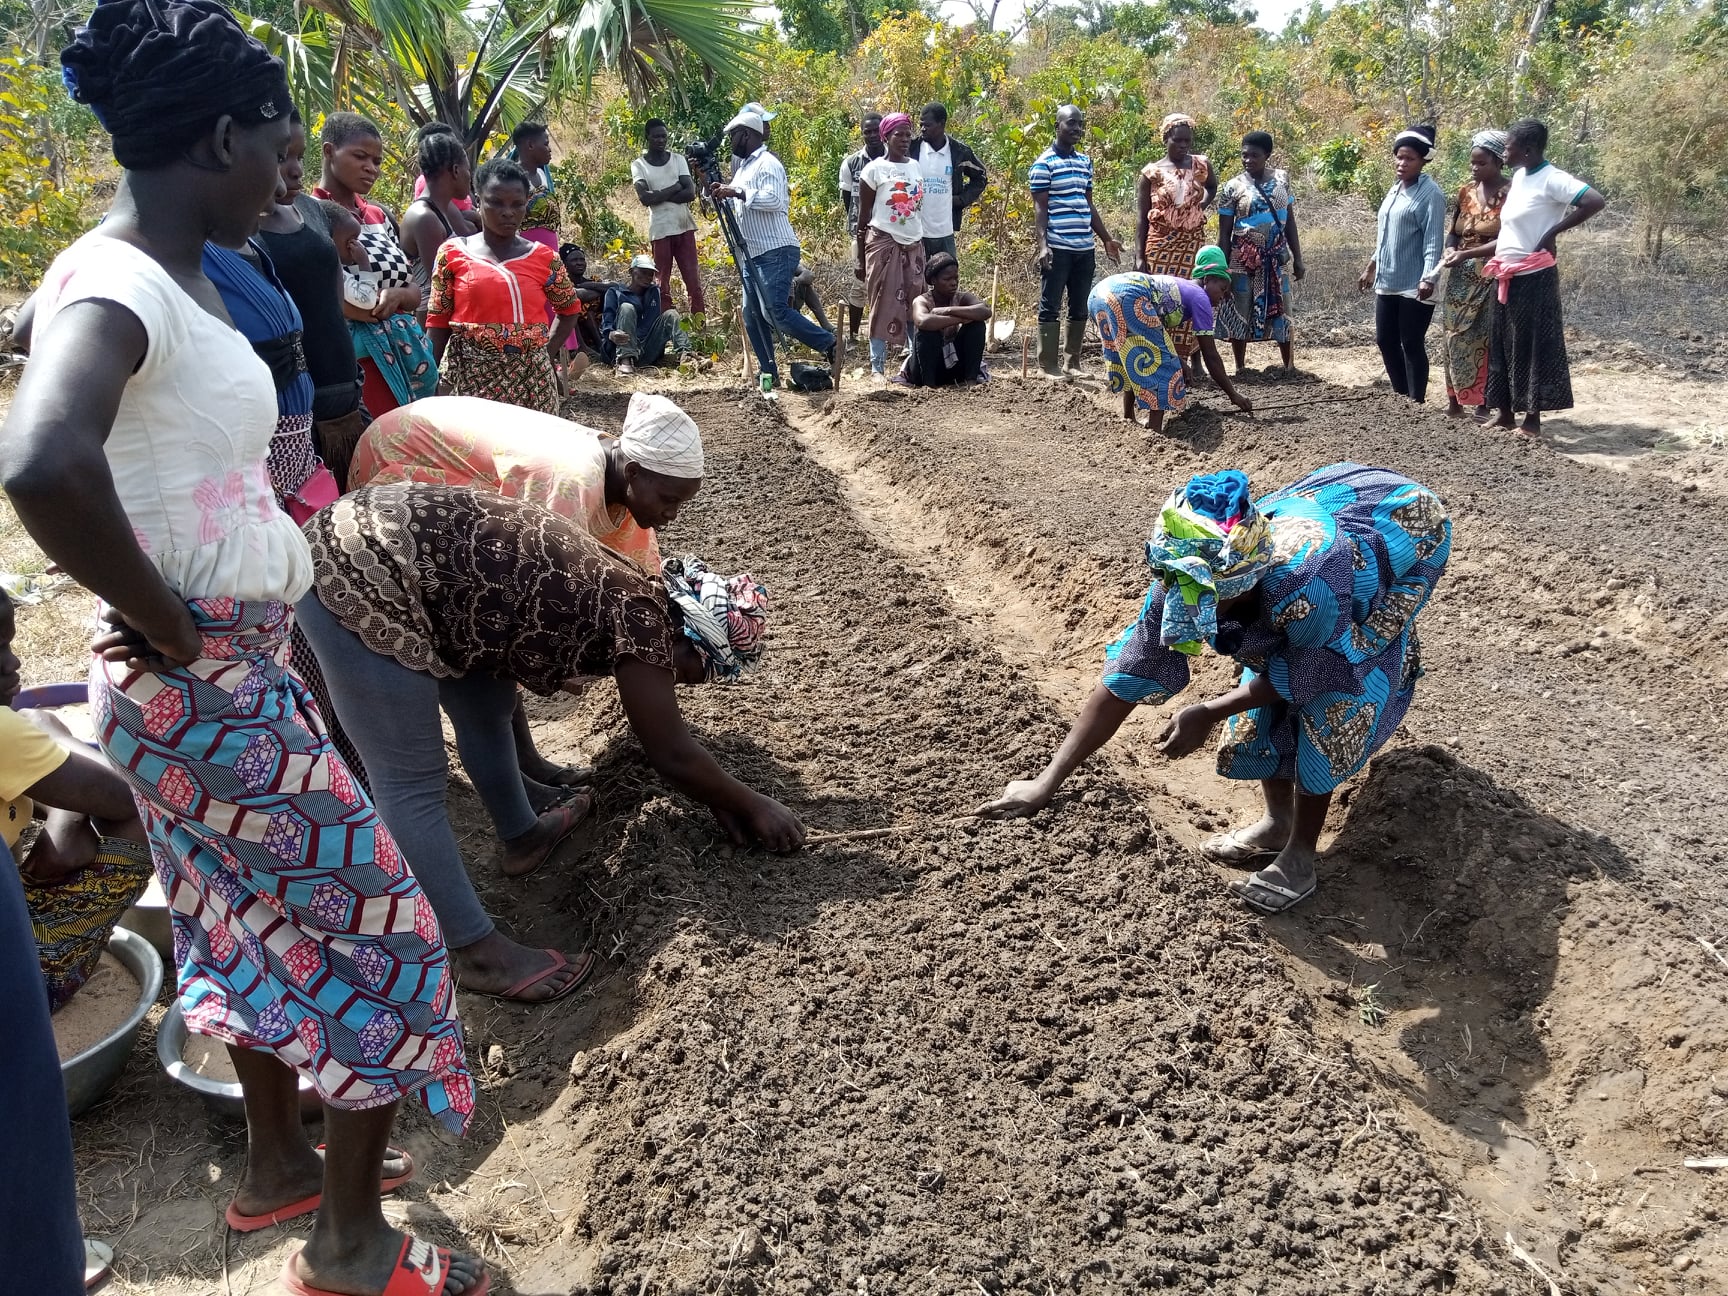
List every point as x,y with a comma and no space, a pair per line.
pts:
1068,181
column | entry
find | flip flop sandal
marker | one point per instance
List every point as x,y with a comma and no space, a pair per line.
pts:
1288,899
575,777
420,1269
584,966
306,1205
1228,849
572,820
98,1263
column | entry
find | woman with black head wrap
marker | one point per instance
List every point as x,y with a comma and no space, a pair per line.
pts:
135,457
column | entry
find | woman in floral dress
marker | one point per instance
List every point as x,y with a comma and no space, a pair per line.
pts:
490,295
1257,230
1174,194
1467,317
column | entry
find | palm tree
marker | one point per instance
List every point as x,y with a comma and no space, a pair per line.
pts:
482,68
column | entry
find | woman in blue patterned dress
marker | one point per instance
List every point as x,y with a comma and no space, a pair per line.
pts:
1314,590
1137,314
1257,229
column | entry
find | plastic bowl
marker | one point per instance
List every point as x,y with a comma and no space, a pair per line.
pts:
91,1074
222,1098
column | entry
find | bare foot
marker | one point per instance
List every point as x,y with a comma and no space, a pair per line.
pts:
524,854
366,1266
494,963
1454,410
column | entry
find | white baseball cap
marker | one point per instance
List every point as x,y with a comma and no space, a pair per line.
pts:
753,115
642,261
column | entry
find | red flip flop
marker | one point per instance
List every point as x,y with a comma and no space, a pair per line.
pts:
306,1205
584,966
420,1269
570,819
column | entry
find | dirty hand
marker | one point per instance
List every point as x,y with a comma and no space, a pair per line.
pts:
1185,732
1424,291
762,819
1366,280
148,646
1113,250
1019,800
1044,258
1242,403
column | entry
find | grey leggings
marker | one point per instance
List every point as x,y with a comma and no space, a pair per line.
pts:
391,715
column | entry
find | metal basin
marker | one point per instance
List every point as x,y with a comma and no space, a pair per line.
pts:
92,1073
149,918
222,1098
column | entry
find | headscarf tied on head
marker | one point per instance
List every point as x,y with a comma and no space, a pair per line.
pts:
662,438
893,121
156,72
1211,544
1490,141
724,616
1171,122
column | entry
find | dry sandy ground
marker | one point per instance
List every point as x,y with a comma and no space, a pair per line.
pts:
1056,1056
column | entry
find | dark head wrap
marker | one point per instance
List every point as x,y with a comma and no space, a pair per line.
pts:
158,72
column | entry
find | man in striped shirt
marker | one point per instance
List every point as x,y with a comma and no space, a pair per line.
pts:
1061,182
762,201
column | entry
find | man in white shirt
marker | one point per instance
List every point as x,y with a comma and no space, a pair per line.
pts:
1528,371
666,188
762,201
954,179
851,169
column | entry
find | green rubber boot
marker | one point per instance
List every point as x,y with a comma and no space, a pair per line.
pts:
1050,350
1073,340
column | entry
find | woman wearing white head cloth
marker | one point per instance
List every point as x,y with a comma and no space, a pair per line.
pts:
448,596
623,489
1406,265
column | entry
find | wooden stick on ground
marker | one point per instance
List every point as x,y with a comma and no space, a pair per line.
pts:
1025,351
898,830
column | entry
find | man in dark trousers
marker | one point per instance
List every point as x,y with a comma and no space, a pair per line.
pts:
1068,227
954,179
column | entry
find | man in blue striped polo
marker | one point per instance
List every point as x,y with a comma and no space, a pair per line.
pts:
1061,181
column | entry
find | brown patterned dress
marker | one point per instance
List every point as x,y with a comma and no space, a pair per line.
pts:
450,580
1467,316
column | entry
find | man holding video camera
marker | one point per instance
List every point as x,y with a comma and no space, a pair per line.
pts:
762,202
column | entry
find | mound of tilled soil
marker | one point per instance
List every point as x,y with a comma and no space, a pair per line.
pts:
1055,1056
1518,925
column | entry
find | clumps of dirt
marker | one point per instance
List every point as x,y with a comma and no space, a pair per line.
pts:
1015,1057
1507,928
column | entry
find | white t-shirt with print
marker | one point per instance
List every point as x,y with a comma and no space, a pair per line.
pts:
899,190
1535,203
669,218
938,168
189,440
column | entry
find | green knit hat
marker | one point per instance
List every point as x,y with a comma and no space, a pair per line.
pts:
1210,263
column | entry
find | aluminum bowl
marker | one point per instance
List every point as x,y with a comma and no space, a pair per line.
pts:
222,1098
91,1074
149,918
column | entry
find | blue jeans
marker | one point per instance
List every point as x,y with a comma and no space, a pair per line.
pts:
773,272
41,1243
391,715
